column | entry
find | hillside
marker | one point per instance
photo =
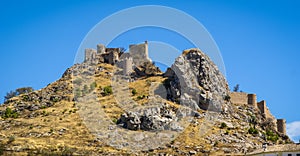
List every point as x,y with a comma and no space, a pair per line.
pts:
96,109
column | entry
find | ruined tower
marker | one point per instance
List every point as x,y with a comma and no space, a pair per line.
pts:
281,126
139,53
252,99
262,106
90,56
101,48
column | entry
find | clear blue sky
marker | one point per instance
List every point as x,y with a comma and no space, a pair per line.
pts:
258,39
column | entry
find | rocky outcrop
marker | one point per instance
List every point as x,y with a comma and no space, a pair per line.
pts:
150,119
197,82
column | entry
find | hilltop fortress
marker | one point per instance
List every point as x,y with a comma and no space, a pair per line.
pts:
138,56
188,110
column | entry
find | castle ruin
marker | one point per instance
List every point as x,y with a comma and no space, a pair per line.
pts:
281,125
250,99
137,56
139,53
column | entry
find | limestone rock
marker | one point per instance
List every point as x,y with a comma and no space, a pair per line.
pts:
153,118
197,82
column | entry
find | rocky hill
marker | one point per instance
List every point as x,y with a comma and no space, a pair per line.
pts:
97,108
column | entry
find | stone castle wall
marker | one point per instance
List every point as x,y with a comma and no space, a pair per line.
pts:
126,64
239,98
90,56
250,99
139,53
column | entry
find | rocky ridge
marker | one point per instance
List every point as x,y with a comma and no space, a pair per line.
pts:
52,113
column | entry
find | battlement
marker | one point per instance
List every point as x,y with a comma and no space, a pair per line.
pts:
251,99
243,98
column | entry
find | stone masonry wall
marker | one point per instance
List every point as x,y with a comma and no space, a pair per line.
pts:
239,98
139,53
281,126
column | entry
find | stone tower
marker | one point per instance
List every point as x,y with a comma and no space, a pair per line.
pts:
252,99
90,56
101,48
281,126
139,53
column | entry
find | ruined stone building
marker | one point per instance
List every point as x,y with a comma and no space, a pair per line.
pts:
250,99
139,53
137,56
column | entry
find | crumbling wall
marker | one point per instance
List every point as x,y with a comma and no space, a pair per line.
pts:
90,56
101,49
139,53
111,55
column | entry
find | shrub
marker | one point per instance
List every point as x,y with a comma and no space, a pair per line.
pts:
227,98
9,113
223,125
78,93
54,99
141,97
93,86
78,81
2,148
227,132
134,92
107,90
114,120
26,98
252,130
271,136
11,139
85,89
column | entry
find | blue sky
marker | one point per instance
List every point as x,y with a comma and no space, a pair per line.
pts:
258,40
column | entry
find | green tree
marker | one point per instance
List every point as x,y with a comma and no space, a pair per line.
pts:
236,88
9,95
18,91
24,90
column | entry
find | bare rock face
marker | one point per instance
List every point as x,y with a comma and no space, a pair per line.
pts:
150,119
197,82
